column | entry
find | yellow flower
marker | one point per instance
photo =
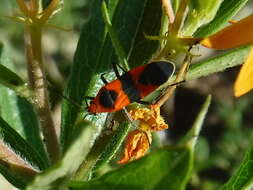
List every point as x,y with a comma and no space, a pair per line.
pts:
237,34
244,81
139,140
137,145
151,117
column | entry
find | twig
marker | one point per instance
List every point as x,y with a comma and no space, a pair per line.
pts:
36,73
175,26
168,10
181,74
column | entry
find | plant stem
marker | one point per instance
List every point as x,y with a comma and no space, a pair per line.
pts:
179,77
168,10
175,26
38,83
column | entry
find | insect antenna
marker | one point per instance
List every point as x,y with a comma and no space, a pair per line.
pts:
59,93
114,66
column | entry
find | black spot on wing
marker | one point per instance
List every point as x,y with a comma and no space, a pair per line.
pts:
157,73
107,98
129,88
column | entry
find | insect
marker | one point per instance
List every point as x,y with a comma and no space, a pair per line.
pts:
131,87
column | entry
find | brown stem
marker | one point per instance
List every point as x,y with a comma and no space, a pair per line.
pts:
33,35
168,10
175,26
179,77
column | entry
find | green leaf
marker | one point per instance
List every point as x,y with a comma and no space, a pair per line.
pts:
104,148
242,179
219,63
200,12
210,66
163,169
113,145
216,64
19,163
227,10
143,48
95,55
19,113
85,71
7,76
56,177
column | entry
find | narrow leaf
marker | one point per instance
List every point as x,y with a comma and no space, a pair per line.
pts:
200,12
216,64
242,179
227,10
143,48
9,78
19,163
195,131
113,145
56,177
210,66
104,148
191,137
163,170
18,112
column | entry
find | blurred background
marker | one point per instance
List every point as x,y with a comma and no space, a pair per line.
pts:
227,132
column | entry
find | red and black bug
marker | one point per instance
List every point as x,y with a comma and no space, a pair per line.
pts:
131,87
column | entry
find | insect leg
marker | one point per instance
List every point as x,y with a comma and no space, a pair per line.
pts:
103,78
144,102
114,66
86,98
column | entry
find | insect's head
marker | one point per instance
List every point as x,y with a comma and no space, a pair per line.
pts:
91,105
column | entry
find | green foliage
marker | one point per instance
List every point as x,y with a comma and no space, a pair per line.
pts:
158,170
200,13
242,179
8,77
101,57
226,11
172,167
19,162
114,31
56,177
16,110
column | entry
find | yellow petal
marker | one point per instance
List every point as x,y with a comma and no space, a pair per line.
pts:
244,81
136,146
151,117
237,34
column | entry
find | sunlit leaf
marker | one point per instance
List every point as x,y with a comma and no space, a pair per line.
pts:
227,10
56,177
242,178
18,112
19,163
163,169
200,12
